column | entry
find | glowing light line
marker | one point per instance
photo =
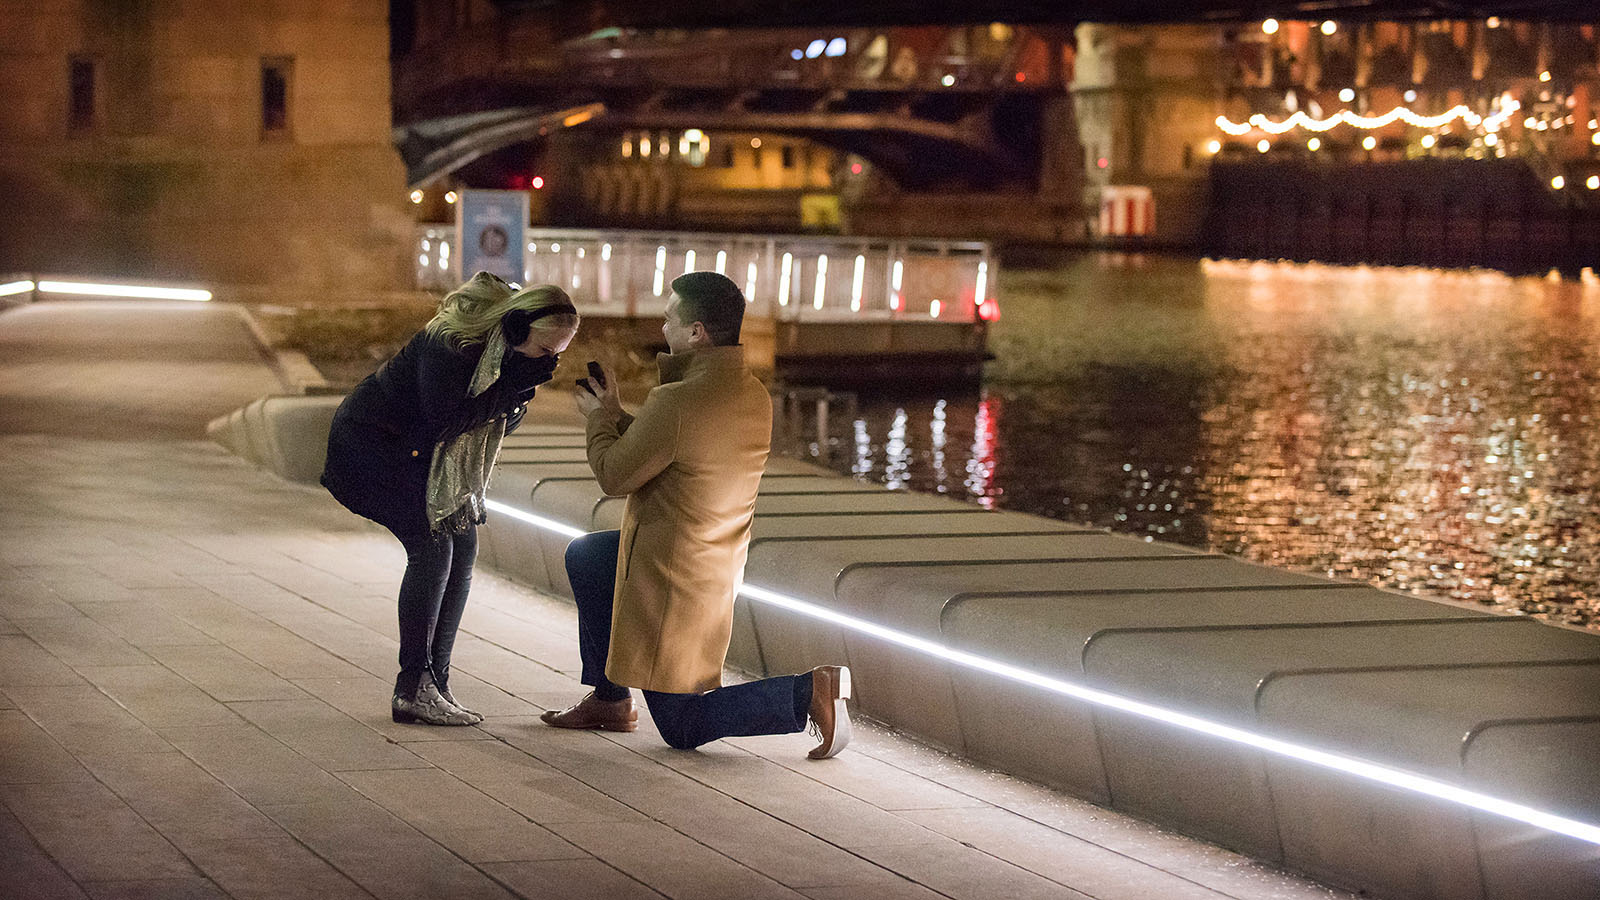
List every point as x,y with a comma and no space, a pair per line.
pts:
15,287
89,289
538,521
1360,768
1399,113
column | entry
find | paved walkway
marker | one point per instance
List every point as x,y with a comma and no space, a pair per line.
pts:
195,661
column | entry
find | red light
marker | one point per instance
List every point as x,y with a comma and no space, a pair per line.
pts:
1102,162
538,182
989,311
855,168
1021,77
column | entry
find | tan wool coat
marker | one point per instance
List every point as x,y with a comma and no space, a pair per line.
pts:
690,464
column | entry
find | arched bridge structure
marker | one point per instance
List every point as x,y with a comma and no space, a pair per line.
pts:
923,104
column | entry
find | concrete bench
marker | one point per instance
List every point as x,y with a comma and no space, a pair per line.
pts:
525,439
1049,631
1431,720
287,434
1216,670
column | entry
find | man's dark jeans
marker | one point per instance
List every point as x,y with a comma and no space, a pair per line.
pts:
770,706
433,595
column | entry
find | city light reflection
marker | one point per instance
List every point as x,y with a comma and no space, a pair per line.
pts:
1425,430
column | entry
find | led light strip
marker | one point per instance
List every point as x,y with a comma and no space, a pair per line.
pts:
1350,765
1301,120
89,289
15,287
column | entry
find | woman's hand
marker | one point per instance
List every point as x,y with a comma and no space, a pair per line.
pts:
522,374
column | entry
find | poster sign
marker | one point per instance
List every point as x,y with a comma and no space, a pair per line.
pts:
489,233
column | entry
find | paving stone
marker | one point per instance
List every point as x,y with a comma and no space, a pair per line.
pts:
569,879
383,854
772,847
326,736
283,653
257,766
144,623
672,863
158,696
514,673
156,889
30,756
91,833
1044,851
81,641
23,663
30,598
858,774
85,721
133,570
512,625
1222,870
963,873
72,584
278,868
813,807
180,799
485,698
224,673
350,641
218,617
894,890
471,823
535,790
29,873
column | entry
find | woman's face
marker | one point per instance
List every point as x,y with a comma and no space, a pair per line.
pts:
546,341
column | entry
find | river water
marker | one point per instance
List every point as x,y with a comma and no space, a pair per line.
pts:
1424,430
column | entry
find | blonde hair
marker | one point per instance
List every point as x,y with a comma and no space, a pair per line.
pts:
469,313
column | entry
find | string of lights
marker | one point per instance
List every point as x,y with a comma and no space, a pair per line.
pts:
1348,117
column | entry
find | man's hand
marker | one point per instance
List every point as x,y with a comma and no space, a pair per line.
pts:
602,398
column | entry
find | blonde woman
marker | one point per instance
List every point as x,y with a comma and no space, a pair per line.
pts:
411,448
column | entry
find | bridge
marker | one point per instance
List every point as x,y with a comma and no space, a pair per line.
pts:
922,107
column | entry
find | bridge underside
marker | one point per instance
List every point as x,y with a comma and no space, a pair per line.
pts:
978,141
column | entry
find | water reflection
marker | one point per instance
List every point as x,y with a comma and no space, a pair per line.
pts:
1424,430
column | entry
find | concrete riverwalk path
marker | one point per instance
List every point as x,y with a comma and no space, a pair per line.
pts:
195,659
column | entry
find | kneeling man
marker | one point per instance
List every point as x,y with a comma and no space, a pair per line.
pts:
655,600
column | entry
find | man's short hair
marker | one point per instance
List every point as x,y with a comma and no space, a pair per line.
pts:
712,300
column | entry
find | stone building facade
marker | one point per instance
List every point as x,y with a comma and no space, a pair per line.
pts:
233,143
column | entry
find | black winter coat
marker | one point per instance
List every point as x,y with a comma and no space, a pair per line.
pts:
382,438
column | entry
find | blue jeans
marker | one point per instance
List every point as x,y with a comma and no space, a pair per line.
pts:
433,595
778,705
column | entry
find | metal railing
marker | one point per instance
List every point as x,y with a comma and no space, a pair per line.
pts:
784,277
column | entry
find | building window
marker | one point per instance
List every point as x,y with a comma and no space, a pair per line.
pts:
81,85
276,73
788,156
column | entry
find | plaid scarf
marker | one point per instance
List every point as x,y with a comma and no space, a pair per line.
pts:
458,478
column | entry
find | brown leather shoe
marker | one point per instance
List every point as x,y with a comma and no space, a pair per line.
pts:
830,717
605,715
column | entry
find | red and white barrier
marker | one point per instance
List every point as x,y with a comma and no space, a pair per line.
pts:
1127,210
